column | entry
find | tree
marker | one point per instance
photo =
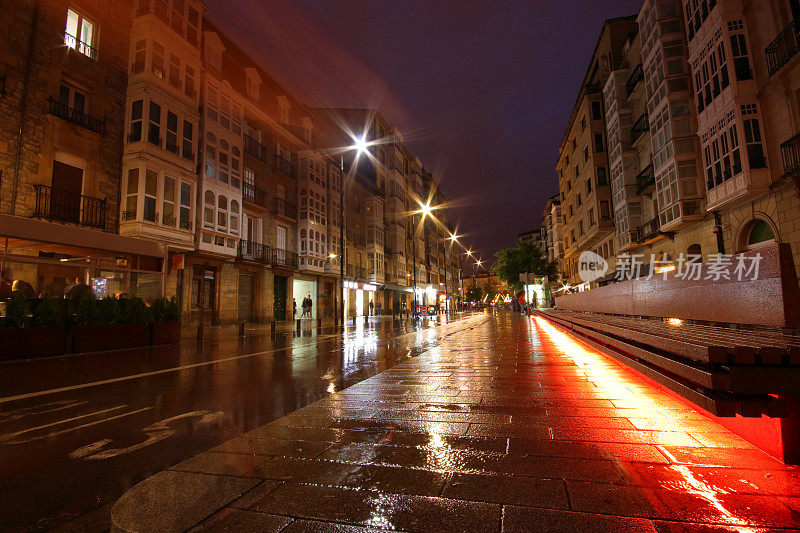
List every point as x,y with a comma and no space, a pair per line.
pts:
474,294
525,257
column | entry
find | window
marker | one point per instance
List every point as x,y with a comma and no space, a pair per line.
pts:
211,156
586,154
131,195
175,71
722,155
588,186
139,56
168,202
597,111
150,192
752,139
234,216
79,34
72,97
188,140
223,161
580,200
188,86
209,203
741,62
172,132
598,143
605,211
222,214
591,217
154,131
137,112
697,12
157,60
711,76
602,180
185,221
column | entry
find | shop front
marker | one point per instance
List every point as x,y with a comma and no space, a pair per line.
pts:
111,265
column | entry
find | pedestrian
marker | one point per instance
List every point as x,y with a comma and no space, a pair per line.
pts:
371,307
521,302
294,308
309,305
378,308
304,306
5,285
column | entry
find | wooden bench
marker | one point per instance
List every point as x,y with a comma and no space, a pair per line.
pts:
744,372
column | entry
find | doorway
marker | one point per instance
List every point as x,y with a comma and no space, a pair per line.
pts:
204,290
279,299
301,289
247,283
65,195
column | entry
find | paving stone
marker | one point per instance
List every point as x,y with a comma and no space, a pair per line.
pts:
175,501
239,520
526,519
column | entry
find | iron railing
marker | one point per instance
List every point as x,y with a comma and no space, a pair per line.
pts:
640,127
66,206
255,148
70,114
76,44
645,179
283,258
783,48
284,208
648,230
254,195
254,251
633,80
790,153
284,166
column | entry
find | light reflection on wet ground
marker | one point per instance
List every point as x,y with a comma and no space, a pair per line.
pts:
77,448
514,425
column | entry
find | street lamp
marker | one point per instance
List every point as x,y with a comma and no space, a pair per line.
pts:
425,210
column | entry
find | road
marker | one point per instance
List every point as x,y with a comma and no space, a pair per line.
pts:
76,432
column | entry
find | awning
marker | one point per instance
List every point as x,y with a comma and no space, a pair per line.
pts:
31,229
395,287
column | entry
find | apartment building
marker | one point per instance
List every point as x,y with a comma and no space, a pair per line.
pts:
553,245
63,83
583,164
702,118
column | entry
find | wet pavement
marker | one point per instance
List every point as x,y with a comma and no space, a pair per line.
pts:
509,424
76,432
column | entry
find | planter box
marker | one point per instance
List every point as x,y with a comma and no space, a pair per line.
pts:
165,332
22,343
108,337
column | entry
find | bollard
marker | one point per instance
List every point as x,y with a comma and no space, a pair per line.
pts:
241,329
272,327
200,331
298,324
319,323
366,320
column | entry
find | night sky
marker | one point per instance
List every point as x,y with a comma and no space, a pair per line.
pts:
481,89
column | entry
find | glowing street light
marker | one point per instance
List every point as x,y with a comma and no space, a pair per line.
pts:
360,145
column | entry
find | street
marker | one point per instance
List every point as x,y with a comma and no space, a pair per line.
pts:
78,431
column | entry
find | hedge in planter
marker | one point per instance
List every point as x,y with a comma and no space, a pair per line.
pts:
109,324
31,328
166,327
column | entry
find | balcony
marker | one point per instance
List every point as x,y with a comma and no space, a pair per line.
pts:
255,148
70,114
645,180
283,208
790,154
84,48
284,166
635,78
283,258
65,206
254,195
648,231
783,48
640,127
253,251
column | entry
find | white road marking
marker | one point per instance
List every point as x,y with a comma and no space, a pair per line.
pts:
68,430
10,436
155,433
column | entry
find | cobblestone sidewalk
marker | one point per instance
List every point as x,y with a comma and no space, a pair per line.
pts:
509,424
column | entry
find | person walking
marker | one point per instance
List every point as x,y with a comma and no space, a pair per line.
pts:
378,308
371,308
294,308
309,306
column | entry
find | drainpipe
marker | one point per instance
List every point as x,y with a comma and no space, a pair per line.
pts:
718,232
23,106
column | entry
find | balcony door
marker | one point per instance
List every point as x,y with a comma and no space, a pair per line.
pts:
65,195
280,244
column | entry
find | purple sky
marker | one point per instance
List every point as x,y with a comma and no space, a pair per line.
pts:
482,89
